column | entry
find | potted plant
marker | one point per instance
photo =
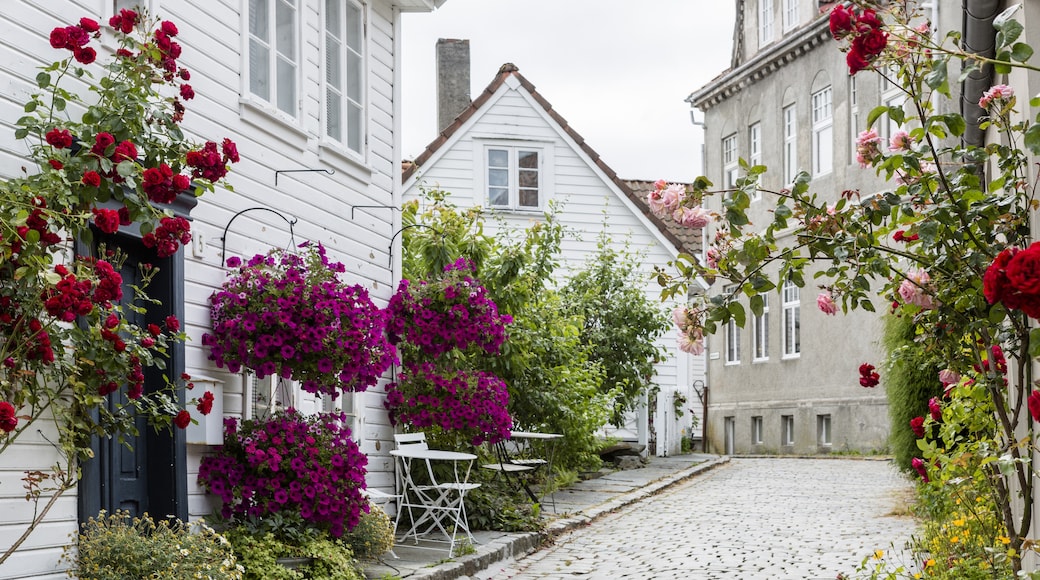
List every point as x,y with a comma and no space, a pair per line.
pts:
289,314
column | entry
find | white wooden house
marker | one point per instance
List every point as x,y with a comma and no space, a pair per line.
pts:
317,149
508,150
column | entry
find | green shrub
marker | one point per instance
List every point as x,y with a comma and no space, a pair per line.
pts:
116,547
372,537
259,554
911,378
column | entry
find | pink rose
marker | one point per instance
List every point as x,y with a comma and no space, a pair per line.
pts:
695,217
900,141
949,377
996,92
825,302
935,409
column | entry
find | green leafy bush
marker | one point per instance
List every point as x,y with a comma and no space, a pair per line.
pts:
259,554
910,381
372,537
116,547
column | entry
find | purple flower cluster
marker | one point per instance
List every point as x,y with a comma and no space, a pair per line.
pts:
451,312
290,315
289,463
473,403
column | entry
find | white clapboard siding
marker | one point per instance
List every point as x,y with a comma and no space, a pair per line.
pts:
591,204
211,32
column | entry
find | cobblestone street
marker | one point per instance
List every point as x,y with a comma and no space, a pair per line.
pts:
751,519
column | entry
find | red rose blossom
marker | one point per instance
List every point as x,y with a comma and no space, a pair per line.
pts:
205,404
841,22
85,55
1034,405
59,138
89,25
917,426
172,324
1023,270
91,179
8,420
182,420
106,220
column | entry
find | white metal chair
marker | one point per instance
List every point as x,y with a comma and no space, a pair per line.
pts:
438,504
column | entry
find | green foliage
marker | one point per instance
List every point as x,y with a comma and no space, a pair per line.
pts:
910,381
372,537
621,324
495,505
116,547
259,554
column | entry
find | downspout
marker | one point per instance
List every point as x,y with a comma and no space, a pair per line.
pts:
979,38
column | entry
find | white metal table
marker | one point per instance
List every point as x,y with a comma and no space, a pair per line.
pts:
438,504
549,441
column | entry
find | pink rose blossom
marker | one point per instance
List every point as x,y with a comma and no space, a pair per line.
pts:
825,302
949,377
712,257
912,290
692,346
695,217
867,147
997,92
900,141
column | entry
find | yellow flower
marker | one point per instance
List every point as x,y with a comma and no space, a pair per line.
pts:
929,563
955,539
958,523
878,554
917,575
1004,540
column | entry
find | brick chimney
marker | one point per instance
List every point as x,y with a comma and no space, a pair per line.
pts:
452,80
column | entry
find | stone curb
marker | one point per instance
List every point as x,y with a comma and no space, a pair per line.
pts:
518,545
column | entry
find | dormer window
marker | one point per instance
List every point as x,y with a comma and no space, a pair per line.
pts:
514,177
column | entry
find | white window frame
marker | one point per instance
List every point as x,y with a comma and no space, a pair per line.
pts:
790,120
755,152
765,22
791,305
756,430
732,336
730,160
790,16
891,96
824,433
786,430
270,103
351,62
760,336
823,131
513,148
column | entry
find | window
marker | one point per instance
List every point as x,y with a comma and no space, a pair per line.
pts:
730,160
823,430
273,60
765,22
344,84
732,335
760,326
853,118
790,14
513,177
756,430
792,307
891,96
787,430
755,152
790,144
823,127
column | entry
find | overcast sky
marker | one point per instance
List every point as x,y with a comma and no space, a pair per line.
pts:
617,70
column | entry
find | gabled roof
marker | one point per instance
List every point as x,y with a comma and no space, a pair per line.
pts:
670,231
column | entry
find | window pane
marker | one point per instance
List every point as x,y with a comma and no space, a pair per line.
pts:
287,87
498,178
826,150
354,76
285,31
528,179
498,158
259,70
498,196
355,124
528,198
333,63
354,23
528,159
258,19
333,115
333,18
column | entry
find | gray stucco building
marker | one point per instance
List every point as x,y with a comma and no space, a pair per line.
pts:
788,381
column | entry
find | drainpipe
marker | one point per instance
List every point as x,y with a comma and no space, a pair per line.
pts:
979,38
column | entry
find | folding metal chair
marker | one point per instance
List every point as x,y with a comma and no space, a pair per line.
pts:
437,504
513,469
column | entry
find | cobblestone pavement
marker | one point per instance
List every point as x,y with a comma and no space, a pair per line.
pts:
768,518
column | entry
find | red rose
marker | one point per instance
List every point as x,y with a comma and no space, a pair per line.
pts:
119,345
125,151
182,420
76,36
841,22
168,28
56,165
1034,405
124,21
184,74
154,329
101,142
108,388
855,61
106,220
85,55
230,150
871,44
1023,270
59,138
8,421
206,403
187,93
59,38
867,376
124,216
917,426
91,179
867,21
89,25
995,285
135,390
172,324
148,342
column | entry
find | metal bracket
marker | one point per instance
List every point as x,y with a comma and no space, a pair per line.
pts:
223,238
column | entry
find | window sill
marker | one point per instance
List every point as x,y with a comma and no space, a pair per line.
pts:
732,363
756,361
338,157
791,356
518,211
274,122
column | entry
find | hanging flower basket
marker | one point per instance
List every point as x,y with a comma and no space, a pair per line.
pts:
289,314
454,311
